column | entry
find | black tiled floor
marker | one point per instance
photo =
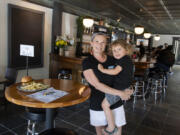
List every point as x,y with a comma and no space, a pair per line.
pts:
65,124
149,118
170,129
2,129
9,133
77,120
88,127
143,130
20,130
83,132
154,124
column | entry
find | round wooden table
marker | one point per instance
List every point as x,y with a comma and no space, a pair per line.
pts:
78,93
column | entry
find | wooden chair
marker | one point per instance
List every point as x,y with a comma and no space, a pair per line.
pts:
10,76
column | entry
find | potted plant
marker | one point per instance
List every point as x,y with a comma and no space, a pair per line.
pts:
60,43
63,43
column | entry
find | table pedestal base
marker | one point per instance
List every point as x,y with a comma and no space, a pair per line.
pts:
50,116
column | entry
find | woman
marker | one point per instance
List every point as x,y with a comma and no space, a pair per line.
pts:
99,84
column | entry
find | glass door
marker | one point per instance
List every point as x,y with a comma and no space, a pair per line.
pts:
176,50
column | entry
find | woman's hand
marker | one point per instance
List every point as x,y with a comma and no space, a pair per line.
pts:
126,95
129,91
100,67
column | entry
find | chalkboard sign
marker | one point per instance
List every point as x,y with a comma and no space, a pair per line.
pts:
26,26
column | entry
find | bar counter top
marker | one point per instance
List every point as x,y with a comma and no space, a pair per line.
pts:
73,59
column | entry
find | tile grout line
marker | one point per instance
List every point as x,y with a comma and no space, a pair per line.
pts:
8,130
78,127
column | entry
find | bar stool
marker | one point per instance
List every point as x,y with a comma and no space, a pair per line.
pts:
139,88
34,116
164,81
140,77
156,83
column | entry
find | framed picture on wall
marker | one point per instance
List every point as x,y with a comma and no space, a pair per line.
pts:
26,26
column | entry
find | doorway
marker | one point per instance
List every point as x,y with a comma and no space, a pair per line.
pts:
176,49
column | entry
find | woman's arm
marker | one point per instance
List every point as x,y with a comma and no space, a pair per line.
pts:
92,79
114,71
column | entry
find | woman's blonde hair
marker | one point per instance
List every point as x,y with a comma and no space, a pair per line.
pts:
123,44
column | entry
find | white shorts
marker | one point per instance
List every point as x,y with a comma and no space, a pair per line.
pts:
98,118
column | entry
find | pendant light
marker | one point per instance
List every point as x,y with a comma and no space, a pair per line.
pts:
88,22
139,30
147,35
157,37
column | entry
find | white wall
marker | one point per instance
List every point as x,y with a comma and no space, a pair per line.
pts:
69,26
35,73
164,39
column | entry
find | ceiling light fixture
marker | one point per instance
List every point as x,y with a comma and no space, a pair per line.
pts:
139,30
88,22
147,35
157,37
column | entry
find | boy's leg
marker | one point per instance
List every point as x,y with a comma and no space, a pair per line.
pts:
109,115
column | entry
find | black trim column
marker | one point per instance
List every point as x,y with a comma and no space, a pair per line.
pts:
56,22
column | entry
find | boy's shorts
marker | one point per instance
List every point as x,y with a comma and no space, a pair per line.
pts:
112,99
98,118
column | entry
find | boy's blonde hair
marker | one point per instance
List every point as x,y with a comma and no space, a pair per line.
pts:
123,44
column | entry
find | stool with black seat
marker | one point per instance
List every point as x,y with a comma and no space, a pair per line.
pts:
157,82
34,116
65,74
140,77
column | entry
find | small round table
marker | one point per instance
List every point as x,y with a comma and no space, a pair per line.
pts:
78,93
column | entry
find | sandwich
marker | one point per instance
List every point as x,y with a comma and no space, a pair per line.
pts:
25,80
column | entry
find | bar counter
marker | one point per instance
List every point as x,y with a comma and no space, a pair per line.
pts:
58,62
75,64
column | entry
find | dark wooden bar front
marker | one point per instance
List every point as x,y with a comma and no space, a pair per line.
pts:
57,62
75,64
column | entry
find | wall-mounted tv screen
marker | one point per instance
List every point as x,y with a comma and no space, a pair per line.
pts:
145,42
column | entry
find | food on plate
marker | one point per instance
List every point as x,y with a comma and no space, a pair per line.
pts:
33,86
